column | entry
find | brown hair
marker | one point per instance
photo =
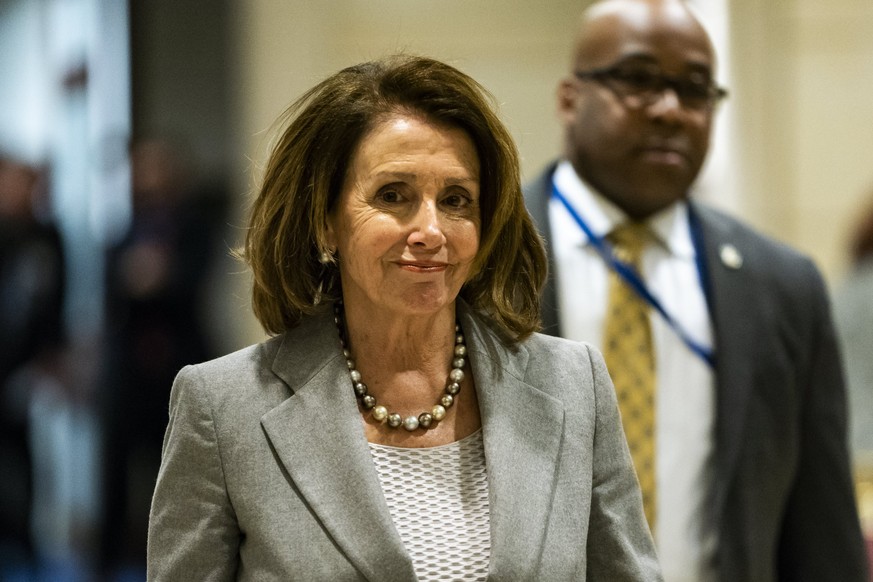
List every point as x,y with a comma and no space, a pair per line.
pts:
286,237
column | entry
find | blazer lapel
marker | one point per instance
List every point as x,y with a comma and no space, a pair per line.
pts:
522,430
729,294
318,437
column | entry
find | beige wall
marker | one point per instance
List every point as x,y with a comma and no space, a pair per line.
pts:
797,132
803,83
513,47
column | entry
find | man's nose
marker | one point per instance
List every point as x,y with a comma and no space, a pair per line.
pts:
666,103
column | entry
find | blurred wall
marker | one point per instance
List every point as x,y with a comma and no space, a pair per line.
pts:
803,80
515,48
794,142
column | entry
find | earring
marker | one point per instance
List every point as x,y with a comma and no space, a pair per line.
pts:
328,256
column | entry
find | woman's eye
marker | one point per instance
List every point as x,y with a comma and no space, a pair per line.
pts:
390,196
457,200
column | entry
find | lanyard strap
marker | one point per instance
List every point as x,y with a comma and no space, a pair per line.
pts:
630,276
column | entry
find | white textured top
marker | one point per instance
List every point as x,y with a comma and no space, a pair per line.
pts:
438,500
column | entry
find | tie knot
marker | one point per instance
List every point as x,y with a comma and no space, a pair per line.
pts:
629,239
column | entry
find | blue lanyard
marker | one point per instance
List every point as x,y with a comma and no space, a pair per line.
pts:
630,276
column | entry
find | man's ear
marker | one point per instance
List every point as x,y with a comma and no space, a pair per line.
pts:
567,93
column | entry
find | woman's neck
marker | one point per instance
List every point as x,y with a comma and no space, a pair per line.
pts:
395,343
405,363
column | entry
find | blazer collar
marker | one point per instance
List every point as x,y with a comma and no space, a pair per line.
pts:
319,439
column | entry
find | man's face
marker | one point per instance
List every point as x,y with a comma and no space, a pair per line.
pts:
641,153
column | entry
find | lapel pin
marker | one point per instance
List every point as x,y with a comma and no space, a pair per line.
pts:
730,256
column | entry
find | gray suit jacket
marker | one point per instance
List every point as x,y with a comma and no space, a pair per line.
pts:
266,473
783,492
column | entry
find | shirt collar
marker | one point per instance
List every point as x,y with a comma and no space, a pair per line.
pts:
670,225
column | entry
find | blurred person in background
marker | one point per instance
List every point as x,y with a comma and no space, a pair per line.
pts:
31,340
853,308
156,279
720,341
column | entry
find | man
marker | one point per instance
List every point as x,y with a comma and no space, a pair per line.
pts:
746,475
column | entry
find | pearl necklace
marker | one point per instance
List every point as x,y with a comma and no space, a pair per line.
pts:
424,420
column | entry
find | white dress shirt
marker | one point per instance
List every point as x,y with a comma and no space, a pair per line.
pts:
685,533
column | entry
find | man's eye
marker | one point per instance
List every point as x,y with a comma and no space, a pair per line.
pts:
638,78
698,86
695,90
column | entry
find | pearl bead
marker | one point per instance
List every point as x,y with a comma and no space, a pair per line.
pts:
460,350
453,388
447,400
410,423
458,363
394,420
438,412
380,413
360,388
456,375
369,401
356,376
425,419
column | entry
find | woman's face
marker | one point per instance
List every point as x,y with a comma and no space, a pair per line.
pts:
406,225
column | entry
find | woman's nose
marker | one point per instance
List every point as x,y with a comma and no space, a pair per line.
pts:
427,228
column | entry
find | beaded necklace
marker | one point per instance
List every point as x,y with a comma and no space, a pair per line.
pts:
380,413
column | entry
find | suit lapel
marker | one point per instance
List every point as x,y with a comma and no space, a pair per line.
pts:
522,430
318,437
730,294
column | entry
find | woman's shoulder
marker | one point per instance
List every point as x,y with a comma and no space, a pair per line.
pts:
236,376
242,361
561,359
537,354
262,372
571,371
549,346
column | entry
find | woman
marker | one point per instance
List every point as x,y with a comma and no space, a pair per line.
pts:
405,422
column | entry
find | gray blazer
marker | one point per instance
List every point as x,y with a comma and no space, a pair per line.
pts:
783,492
266,473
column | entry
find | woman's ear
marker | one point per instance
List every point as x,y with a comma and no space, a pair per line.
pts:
330,239
330,230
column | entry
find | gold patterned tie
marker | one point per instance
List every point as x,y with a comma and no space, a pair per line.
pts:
627,349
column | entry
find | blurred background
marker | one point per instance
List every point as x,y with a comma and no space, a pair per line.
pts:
131,135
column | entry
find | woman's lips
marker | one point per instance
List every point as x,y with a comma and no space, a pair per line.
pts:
422,266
